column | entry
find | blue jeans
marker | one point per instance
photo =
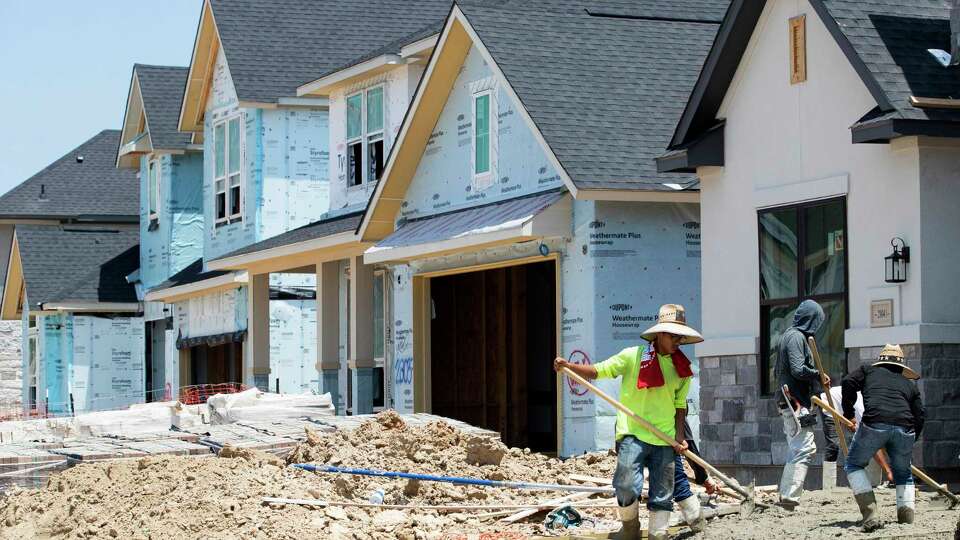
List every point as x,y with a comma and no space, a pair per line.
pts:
632,456
897,441
681,484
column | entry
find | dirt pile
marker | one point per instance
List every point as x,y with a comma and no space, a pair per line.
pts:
221,497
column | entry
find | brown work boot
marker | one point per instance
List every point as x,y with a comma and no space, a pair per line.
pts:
630,524
871,514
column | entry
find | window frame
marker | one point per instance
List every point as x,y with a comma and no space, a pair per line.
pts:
228,216
484,179
364,138
381,361
153,175
764,362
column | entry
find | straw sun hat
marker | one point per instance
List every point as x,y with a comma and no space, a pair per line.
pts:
892,355
672,319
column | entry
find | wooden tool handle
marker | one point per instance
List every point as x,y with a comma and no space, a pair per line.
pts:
826,389
659,434
916,472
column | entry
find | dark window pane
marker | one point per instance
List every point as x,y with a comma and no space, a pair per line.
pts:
776,319
830,339
235,200
378,387
375,159
824,245
221,205
354,164
778,254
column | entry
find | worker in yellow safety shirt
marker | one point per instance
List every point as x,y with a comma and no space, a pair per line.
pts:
655,379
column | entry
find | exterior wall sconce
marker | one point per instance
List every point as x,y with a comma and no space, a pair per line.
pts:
895,264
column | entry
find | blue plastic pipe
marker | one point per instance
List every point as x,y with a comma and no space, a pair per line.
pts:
452,479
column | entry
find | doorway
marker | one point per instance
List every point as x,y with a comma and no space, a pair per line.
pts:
493,338
216,364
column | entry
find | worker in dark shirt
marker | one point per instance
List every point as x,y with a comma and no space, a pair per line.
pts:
892,420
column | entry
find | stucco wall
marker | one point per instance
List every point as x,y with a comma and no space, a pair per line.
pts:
789,143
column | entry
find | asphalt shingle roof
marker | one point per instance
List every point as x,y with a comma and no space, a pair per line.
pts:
891,38
606,92
318,229
274,47
191,274
92,189
78,264
161,88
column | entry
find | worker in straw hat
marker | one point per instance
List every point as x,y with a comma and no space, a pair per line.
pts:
892,419
655,379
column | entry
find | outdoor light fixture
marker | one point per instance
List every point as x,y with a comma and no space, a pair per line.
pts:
895,264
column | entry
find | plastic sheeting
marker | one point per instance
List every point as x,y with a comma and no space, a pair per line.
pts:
293,346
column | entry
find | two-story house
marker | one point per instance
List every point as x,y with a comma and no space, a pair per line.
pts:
70,241
521,216
824,134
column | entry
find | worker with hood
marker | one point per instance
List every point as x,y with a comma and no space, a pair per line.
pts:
654,380
893,418
797,377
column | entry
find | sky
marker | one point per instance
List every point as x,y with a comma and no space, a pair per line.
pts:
65,70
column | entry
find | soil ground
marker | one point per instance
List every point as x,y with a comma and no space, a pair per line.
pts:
222,497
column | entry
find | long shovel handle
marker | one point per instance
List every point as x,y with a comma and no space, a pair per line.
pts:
826,389
954,500
659,434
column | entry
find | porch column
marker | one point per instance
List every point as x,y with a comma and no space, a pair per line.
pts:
328,331
361,334
256,363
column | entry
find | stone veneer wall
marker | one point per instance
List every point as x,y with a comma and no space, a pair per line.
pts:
741,432
11,370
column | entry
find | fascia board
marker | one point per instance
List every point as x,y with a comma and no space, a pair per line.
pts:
344,239
322,86
207,286
100,307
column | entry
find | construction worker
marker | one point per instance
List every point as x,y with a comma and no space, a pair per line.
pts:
796,371
655,379
893,418
877,465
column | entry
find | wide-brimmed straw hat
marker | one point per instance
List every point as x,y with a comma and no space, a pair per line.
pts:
892,355
672,319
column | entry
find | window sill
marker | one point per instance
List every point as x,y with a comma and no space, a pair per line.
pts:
229,221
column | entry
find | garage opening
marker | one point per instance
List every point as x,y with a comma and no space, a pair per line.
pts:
492,344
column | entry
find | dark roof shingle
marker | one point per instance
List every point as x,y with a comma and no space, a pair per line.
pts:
161,88
78,264
193,273
605,92
92,189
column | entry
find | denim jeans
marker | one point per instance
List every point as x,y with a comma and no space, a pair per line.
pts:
897,441
632,456
681,484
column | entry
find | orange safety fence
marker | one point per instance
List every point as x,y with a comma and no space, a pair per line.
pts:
198,393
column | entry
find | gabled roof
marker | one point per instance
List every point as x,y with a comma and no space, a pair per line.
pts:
886,42
63,264
162,89
71,188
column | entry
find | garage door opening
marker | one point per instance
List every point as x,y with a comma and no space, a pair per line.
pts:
216,364
493,338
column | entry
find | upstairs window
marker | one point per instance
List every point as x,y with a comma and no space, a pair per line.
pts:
482,139
153,189
227,182
365,121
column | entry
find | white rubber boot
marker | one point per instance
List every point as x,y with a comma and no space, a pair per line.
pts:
791,485
630,529
690,508
659,523
866,500
829,474
906,502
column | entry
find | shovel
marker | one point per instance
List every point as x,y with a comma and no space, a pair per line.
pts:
941,489
749,503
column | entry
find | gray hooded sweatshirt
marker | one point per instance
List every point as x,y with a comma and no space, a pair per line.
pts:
795,366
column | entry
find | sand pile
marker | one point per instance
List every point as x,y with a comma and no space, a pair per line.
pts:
183,497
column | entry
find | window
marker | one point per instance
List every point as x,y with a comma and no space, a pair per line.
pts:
227,183
481,138
153,188
365,121
803,255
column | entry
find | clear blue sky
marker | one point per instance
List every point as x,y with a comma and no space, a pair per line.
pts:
65,70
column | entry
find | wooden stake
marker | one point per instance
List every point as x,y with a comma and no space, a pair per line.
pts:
826,390
954,500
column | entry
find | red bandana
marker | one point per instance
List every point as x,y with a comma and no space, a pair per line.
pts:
651,376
